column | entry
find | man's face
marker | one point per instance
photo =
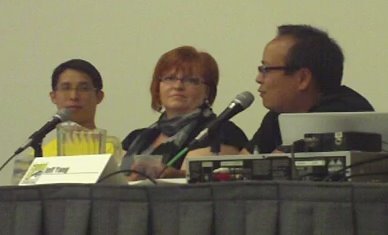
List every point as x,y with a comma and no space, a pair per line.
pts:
75,91
277,90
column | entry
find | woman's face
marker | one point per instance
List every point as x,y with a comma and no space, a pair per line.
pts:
181,93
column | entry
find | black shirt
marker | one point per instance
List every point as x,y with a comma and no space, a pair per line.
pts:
343,99
228,134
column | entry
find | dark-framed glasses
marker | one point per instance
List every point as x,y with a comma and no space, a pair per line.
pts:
187,81
81,88
264,69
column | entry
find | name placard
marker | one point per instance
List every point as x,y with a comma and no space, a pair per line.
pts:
87,169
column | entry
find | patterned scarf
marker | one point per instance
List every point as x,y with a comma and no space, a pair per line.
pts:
178,129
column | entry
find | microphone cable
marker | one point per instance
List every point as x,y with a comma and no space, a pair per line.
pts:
176,158
240,103
35,140
8,160
365,174
128,171
340,171
21,149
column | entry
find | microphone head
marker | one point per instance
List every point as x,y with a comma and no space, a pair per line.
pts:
63,114
245,99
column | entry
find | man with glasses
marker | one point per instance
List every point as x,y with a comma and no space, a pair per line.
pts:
301,71
77,86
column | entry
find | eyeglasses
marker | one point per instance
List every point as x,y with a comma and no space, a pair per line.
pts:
187,81
80,89
266,69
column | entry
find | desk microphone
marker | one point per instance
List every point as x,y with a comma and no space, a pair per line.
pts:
240,103
61,116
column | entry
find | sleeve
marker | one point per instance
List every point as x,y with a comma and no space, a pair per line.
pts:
343,99
267,137
130,138
231,134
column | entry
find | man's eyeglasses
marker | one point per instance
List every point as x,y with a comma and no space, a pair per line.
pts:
80,89
187,81
266,69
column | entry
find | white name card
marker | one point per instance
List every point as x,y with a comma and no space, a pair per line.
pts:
87,169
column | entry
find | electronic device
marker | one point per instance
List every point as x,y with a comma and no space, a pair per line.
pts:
238,167
309,166
293,126
354,166
337,141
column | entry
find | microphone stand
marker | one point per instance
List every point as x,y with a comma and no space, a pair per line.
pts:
215,140
215,147
37,146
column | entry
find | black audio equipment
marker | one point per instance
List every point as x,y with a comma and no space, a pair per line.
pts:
309,166
339,141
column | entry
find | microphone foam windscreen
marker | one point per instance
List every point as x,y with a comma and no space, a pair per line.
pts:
245,99
63,114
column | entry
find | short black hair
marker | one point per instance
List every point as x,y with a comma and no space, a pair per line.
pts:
81,66
315,50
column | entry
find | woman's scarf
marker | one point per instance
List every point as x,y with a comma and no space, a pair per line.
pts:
178,129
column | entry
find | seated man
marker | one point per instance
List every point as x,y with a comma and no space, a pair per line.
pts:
301,71
76,86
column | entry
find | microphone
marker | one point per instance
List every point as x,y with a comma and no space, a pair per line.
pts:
240,103
61,116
